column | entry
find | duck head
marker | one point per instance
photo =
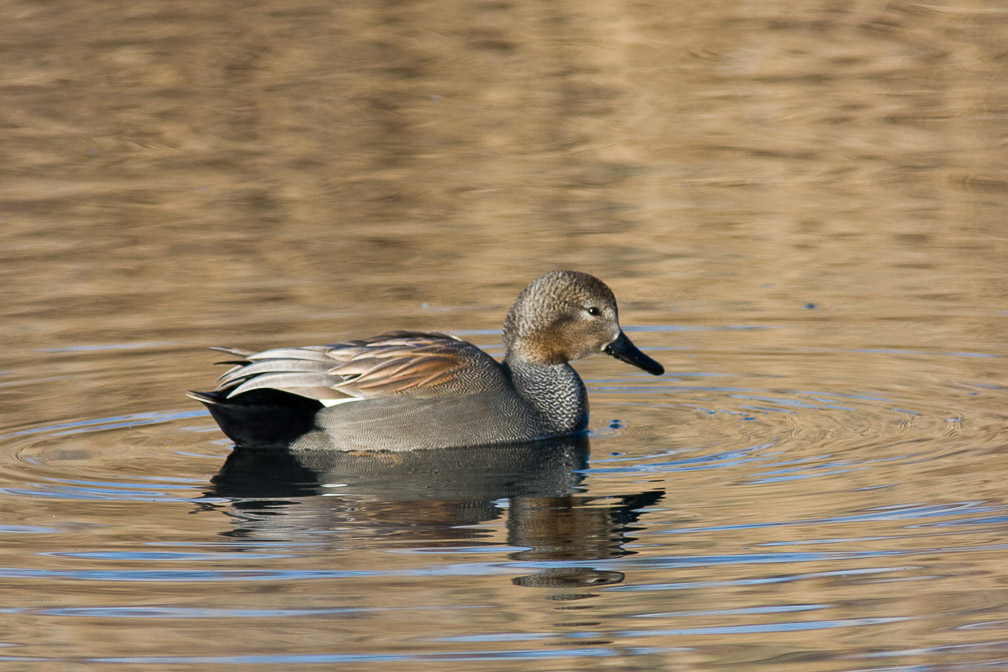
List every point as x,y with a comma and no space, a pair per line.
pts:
566,315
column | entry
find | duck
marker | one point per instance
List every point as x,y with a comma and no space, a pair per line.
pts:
408,390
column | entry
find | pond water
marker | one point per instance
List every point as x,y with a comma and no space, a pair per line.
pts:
801,209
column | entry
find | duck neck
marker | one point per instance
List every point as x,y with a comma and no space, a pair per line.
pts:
555,391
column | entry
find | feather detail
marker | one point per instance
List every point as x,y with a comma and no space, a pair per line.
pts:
397,363
295,383
261,367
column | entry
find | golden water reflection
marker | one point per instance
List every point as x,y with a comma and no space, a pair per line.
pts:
801,206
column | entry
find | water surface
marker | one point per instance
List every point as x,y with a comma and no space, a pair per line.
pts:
801,210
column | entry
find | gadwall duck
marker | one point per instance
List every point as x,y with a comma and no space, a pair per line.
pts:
406,389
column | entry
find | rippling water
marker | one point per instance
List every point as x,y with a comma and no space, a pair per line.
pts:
801,211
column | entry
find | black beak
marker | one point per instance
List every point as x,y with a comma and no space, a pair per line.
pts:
625,351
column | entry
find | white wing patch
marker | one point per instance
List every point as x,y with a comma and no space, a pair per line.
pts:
344,400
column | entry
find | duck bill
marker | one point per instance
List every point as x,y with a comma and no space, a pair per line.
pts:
625,351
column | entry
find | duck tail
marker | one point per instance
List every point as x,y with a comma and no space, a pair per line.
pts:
260,418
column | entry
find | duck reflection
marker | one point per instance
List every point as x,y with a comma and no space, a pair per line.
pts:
575,527
541,468
437,497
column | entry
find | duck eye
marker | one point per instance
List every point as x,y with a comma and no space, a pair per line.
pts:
593,311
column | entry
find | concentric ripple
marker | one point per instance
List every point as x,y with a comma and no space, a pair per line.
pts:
100,459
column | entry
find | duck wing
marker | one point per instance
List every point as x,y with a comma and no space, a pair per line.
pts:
397,363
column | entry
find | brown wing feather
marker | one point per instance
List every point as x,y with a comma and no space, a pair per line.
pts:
395,363
411,363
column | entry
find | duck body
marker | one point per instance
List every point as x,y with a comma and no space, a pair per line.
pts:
405,390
